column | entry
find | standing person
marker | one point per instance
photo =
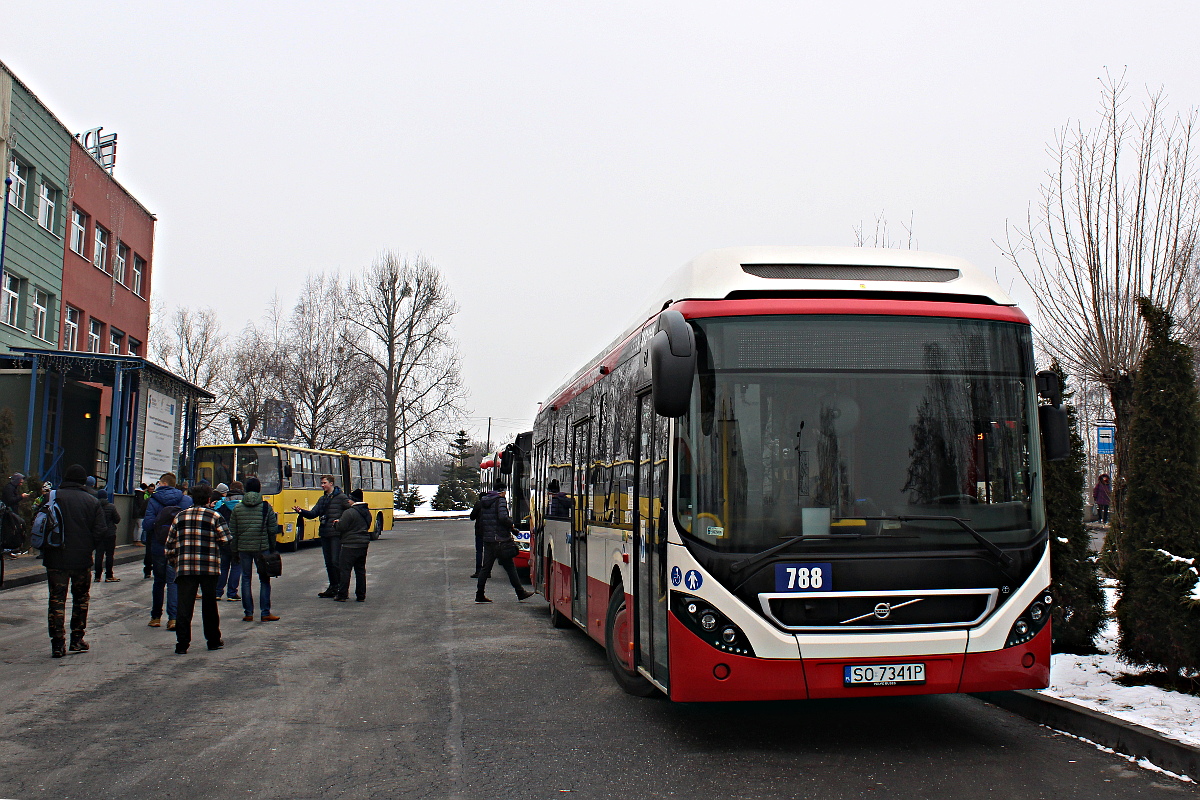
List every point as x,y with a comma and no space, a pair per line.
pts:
140,498
11,496
106,550
254,524
355,527
1102,494
491,513
84,528
164,503
193,549
329,509
231,566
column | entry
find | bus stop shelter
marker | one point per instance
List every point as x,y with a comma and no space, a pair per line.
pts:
152,416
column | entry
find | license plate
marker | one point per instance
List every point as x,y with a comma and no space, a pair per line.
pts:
884,674
804,577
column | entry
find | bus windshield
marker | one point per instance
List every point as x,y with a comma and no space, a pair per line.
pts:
220,465
831,427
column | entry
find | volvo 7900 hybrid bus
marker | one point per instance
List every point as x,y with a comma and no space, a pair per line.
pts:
801,473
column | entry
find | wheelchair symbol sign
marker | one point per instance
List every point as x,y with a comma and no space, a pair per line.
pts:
676,576
693,580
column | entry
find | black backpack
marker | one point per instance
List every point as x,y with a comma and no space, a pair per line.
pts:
162,523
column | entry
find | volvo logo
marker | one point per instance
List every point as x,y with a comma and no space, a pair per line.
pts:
883,610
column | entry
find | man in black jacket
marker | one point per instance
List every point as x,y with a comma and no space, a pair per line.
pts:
329,510
84,528
11,496
495,526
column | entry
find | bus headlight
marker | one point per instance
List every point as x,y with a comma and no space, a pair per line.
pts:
710,624
1031,621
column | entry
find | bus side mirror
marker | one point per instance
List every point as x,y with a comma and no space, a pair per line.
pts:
1049,386
506,460
1056,438
672,364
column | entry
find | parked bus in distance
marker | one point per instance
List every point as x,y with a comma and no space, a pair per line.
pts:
805,472
291,476
512,465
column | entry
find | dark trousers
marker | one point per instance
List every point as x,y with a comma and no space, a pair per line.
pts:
80,581
478,553
331,548
187,585
1102,513
491,554
354,559
105,553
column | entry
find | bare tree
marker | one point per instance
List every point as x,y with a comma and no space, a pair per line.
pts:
882,237
1117,220
191,343
403,310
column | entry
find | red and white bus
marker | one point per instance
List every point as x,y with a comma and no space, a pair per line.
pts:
802,473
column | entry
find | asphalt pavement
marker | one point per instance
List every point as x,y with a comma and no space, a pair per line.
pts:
420,693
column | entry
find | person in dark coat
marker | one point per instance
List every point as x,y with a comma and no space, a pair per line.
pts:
166,494
496,526
1102,494
329,510
355,528
11,496
107,550
84,528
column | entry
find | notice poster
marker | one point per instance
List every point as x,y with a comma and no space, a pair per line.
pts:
158,449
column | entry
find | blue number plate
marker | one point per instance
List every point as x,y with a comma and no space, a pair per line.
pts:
803,577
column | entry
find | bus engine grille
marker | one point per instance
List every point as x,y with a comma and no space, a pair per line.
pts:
888,610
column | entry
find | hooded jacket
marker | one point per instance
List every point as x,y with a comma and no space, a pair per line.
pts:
84,528
492,522
250,535
355,525
163,496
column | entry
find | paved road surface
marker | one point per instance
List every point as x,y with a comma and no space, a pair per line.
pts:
420,693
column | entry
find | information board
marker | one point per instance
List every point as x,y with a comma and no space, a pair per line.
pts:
158,442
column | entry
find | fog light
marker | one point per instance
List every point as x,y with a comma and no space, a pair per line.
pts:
721,671
1027,660
708,621
729,635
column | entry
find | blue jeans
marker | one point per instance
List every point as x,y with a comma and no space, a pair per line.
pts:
231,573
264,586
164,576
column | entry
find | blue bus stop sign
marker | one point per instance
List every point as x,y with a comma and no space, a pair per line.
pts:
1105,440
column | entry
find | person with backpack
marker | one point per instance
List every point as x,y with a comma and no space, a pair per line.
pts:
231,565
194,551
496,528
355,527
161,508
254,524
67,530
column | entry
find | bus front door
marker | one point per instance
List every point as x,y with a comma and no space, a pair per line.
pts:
650,564
580,446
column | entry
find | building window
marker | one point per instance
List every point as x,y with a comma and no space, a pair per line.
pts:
20,183
100,249
135,347
71,329
78,231
122,258
10,302
139,269
41,313
95,333
115,340
47,207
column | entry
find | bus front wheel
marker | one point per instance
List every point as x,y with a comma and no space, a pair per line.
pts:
618,641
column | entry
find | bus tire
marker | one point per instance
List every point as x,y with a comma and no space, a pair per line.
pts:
557,618
378,530
616,633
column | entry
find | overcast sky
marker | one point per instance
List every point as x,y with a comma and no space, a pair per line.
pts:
558,159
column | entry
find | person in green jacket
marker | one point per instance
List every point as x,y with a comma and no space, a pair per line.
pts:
254,525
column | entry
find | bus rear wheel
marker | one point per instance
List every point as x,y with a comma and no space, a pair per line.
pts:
618,641
375,534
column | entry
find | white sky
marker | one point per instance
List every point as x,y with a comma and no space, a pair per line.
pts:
558,159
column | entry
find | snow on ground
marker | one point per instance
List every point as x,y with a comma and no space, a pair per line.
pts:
424,511
1088,681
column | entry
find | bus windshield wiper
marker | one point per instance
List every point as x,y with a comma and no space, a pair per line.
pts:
1001,558
749,561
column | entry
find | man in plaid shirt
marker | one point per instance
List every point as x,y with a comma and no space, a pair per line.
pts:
194,550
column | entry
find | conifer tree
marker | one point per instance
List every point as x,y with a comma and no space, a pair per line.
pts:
456,490
1159,623
1078,600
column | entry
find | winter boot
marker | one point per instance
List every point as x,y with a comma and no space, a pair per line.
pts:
58,648
479,598
78,645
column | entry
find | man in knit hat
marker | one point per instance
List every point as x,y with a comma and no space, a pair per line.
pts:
84,528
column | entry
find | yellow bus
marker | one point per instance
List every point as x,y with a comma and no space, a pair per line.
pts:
291,476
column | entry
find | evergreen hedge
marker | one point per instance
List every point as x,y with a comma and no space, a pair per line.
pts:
1159,623
1078,600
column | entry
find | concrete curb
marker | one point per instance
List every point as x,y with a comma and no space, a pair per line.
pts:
38,575
1124,737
